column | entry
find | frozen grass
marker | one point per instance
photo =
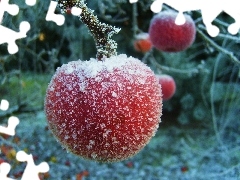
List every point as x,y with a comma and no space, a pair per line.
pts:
183,152
176,152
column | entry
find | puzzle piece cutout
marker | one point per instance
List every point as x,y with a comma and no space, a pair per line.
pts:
31,171
30,2
59,19
7,35
12,9
133,1
4,105
4,170
210,9
76,11
10,129
12,121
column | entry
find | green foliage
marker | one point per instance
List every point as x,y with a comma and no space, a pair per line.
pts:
25,88
207,76
199,71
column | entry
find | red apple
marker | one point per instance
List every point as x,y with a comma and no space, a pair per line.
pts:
104,110
168,86
142,43
168,36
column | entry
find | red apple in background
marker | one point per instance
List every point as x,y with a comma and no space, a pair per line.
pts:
168,36
168,85
104,110
142,43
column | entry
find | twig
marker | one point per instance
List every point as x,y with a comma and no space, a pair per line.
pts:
219,48
227,36
214,118
174,70
101,32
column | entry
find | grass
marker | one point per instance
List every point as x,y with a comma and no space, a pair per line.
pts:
26,88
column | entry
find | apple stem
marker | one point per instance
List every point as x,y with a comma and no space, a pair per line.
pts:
101,32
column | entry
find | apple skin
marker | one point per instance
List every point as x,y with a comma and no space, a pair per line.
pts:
167,36
168,86
106,110
142,43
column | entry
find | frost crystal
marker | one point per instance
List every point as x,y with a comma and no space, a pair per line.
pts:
113,116
230,7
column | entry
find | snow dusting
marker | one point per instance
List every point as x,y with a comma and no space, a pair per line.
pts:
104,110
114,94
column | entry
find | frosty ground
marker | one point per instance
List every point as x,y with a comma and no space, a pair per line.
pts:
187,152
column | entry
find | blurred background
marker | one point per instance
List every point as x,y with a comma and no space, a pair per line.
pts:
199,136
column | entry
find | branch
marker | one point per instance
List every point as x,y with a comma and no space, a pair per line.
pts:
189,72
149,56
101,32
219,48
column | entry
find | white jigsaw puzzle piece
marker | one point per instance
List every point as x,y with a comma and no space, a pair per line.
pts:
4,105
59,19
76,11
12,124
7,35
133,1
231,7
30,2
12,121
31,171
12,9
4,170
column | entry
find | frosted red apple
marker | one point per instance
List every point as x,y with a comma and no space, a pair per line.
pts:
142,43
168,86
104,110
167,36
